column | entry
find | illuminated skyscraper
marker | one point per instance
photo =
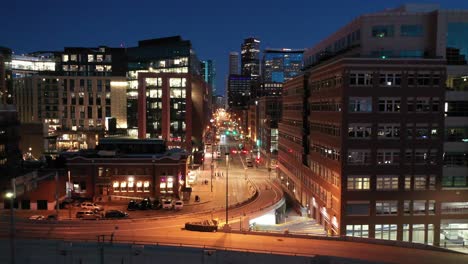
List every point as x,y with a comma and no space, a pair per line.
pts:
250,50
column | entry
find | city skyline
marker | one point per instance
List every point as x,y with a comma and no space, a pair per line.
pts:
213,30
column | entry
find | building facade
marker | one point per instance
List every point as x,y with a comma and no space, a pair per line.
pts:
128,169
269,113
280,65
74,109
376,164
169,106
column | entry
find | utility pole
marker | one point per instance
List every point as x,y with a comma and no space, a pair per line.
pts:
69,192
57,194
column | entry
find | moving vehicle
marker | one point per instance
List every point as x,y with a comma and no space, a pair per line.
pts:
88,215
178,205
115,214
36,217
91,206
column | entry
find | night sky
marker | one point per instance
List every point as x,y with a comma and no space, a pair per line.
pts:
214,27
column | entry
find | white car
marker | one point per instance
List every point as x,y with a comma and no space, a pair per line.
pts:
167,204
178,205
91,206
36,217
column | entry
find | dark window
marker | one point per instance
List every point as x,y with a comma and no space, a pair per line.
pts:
382,31
41,204
411,30
25,204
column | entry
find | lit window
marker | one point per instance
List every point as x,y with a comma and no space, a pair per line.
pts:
130,186
123,186
146,186
139,186
116,186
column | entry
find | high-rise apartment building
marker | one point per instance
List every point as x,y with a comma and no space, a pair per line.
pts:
234,62
380,93
250,58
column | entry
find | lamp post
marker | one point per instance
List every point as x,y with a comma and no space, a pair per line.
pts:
11,196
227,180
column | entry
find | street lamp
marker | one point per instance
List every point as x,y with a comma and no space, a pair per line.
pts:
11,196
227,180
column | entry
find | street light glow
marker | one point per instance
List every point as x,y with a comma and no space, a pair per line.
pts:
9,195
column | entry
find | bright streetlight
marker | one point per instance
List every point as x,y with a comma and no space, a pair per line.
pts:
11,196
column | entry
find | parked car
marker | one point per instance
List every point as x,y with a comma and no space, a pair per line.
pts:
132,205
178,205
157,204
167,204
145,204
115,214
91,206
88,214
36,217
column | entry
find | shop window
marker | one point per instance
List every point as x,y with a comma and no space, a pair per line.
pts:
115,185
123,186
139,186
131,187
146,186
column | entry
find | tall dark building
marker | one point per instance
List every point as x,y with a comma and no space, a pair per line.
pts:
238,92
234,63
10,155
6,80
250,60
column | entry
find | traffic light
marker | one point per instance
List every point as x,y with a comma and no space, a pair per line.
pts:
227,133
234,132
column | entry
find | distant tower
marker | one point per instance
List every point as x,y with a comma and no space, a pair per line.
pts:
250,50
234,62
208,72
